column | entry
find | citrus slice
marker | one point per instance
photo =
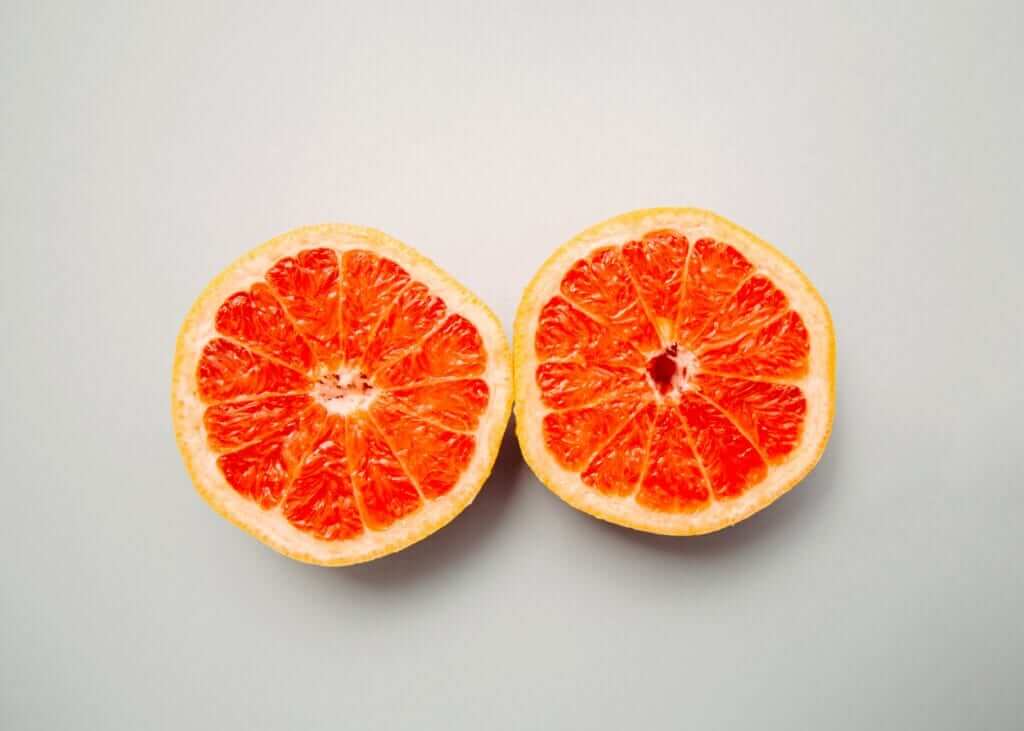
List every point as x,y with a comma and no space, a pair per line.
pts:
338,396
674,373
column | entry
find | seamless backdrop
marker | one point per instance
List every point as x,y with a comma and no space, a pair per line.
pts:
143,146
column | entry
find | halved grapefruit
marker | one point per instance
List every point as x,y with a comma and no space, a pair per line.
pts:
338,396
674,373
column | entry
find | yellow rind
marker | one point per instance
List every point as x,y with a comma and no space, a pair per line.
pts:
528,311
373,239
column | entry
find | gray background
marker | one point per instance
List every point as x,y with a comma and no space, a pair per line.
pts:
879,144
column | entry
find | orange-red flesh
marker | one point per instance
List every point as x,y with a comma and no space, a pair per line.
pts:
666,367
342,392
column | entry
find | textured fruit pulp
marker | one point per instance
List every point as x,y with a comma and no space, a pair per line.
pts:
668,369
342,392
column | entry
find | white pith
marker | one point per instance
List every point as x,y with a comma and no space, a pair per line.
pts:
816,384
344,391
686,367
270,526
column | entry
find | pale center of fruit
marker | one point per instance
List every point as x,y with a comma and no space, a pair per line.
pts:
344,391
670,371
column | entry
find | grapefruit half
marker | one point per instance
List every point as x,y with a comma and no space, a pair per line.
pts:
674,373
338,396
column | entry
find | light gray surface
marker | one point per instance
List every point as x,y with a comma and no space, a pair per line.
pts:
880,145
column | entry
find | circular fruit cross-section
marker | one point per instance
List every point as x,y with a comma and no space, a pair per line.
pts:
674,373
338,396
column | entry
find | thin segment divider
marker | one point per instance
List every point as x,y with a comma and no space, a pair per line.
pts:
726,343
618,430
690,246
696,455
294,472
311,447
596,318
259,397
721,309
647,454
412,348
779,380
341,329
599,401
640,300
412,414
257,351
384,313
401,463
741,430
356,489
291,320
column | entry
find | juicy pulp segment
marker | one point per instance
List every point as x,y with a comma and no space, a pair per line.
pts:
454,350
609,344
322,499
228,371
574,435
778,349
564,333
714,272
371,283
236,423
616,469
414,313
567,385
307,286
261,471
432,455
319,313
657,263
672,481
728,458
600,285
257,320
456,405
386,490
756,303
772,414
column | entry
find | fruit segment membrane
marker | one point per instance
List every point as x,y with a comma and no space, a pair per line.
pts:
342,392
669,369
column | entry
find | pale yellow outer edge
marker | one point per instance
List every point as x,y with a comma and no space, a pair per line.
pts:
211,486
528,412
